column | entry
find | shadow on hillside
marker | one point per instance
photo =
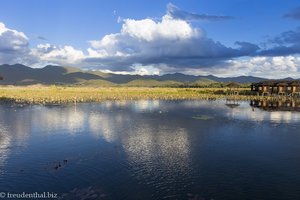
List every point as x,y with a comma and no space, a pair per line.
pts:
23,75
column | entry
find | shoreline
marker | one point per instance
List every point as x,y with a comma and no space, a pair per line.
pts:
52,95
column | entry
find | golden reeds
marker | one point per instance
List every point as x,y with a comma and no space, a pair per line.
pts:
62,95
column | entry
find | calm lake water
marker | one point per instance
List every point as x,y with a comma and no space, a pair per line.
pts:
151,150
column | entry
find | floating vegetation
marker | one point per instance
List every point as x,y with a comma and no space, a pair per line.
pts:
203,117
50,95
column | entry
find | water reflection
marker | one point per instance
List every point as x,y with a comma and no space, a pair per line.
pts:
16,123
245,110
159,146
146,105
232,103
256,113
105,120
105,125
15,131
136,106
68,118
5,144
169,146
159,156
277,105
143,140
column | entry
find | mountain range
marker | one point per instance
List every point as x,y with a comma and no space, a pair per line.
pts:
19,74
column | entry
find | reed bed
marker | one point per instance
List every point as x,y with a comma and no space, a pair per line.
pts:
63,95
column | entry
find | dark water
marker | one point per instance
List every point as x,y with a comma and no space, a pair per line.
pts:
151,150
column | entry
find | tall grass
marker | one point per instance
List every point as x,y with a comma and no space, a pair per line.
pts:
62,95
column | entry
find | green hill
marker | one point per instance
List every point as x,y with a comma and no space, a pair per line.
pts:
96,83
22,75
151,83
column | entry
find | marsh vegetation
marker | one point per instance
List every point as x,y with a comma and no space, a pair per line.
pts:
61,94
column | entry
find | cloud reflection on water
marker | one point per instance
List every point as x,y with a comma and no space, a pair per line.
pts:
152,146
169,145
5,143
103,125
15,130
136,125
58,119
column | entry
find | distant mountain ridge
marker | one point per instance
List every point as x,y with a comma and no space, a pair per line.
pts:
23,75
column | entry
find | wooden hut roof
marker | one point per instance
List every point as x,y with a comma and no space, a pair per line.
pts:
282,83
278,83
295,83
233,85
268,83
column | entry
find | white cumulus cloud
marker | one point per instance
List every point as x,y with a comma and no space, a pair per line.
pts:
60,55
172,42
13,45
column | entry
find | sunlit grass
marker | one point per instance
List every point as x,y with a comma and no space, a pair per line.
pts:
61,95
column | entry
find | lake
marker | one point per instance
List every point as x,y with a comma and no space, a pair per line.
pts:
151,150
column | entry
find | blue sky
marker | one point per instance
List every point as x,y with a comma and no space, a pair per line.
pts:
60,32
